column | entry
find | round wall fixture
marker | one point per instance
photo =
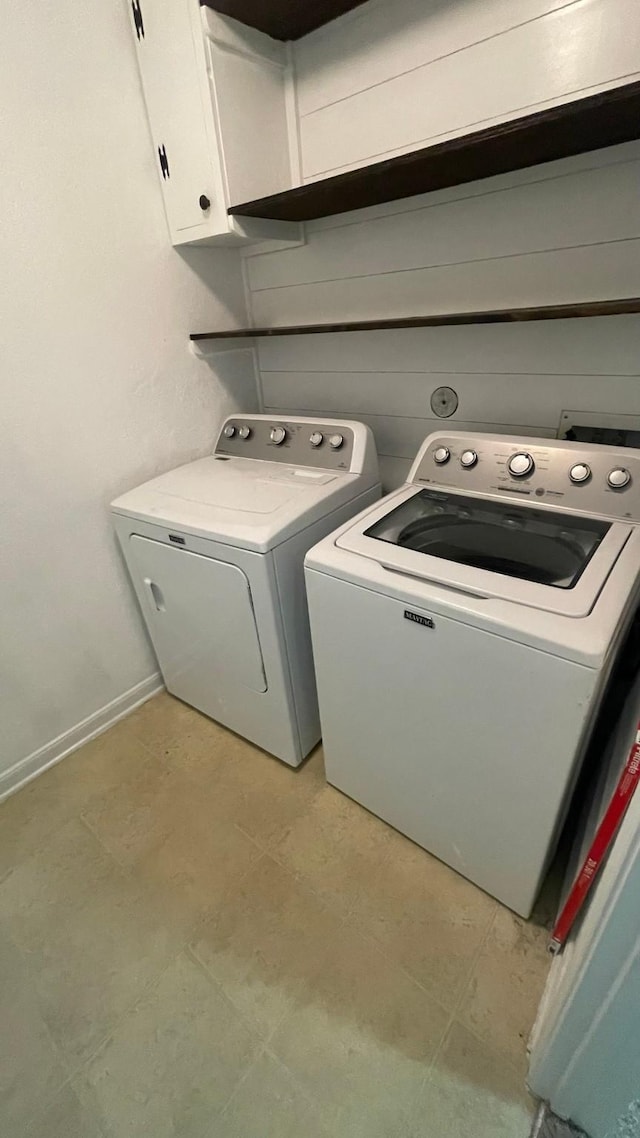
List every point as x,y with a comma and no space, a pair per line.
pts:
444,402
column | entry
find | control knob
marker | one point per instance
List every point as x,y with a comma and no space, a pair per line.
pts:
336,441
244,432
521,464
316,439
580,472
468,458
278,435
618,478
441,455
229,431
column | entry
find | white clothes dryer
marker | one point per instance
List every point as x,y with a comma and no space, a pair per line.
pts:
215,551
463,630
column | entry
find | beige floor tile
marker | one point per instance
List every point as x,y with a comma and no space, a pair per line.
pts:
31,1068
168,831
39,809
504,991
65,1117
151,837
270,1104
192,741
265,944
172,1063
263,795
161,720
337,847
93,938
195,745
243,785
47,889
362,1038
425,916
196,867
471,1091
100,766
141,816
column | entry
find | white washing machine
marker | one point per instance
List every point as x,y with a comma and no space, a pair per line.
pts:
463,631
215,550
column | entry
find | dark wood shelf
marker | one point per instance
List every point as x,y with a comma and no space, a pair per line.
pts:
584,309
283,19
586,124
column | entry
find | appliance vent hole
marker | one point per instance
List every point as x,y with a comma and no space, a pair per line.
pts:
444,402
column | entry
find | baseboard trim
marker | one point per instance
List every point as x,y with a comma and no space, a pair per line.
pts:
29,768
546,1124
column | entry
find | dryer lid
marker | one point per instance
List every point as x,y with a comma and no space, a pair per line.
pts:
225,485
539,557
242,502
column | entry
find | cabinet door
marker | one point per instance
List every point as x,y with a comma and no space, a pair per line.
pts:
201,620
173,74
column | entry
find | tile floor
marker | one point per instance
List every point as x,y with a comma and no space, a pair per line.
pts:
198,942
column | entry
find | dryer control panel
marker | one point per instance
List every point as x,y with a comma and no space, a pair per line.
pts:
300,442
578,476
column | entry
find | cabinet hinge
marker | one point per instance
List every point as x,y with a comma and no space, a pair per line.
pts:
164,162
137,18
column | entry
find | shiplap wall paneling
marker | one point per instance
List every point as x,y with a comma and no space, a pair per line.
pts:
605,346
510,379
526,212
565,231
390,78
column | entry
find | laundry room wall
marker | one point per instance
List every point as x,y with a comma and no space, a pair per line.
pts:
388,78
99,389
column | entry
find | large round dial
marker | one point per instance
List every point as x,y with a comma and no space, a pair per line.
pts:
618,478
316,439
229,431
278,435
521,464
441,455
468,458
244,431
336,441
580,472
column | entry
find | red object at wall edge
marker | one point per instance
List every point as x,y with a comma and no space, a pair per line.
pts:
603,838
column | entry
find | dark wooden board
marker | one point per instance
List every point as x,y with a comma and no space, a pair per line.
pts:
494,316
283,19
605,119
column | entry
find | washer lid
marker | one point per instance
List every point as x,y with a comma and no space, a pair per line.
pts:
242,502
533,556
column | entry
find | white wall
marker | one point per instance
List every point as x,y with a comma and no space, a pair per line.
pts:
561,232
391,77
99,389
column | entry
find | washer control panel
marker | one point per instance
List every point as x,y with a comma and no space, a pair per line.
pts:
299,442
578,476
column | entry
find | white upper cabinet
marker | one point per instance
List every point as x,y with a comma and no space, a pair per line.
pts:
216,95
236,115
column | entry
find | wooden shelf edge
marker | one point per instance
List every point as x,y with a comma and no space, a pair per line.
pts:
283,19
580,311
605,119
